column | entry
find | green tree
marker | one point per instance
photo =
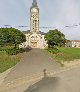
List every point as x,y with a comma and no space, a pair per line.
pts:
11,36
55,38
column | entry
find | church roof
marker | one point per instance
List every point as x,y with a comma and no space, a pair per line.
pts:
42,33
28,31
73,40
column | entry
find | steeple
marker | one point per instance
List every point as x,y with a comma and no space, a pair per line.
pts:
34,18
34,4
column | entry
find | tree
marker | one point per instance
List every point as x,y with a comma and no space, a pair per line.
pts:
11,36
55,38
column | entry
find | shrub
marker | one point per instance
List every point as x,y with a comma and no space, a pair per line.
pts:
53,50
21,50
12,51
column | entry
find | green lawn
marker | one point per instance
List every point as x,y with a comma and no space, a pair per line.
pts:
7,61
67,54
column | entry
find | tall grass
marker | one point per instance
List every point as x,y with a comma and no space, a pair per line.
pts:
8,61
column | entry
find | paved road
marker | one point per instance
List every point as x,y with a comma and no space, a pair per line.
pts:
32,63
72,78
68,81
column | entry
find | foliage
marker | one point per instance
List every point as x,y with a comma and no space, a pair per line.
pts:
12,51
53,50
15,51
55,38
11,36
4,48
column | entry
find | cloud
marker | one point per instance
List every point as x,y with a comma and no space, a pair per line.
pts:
56,13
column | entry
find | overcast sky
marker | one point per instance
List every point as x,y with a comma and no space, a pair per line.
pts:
53,13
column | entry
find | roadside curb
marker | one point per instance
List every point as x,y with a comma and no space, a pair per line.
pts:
3,75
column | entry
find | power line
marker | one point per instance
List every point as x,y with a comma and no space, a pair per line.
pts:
43,27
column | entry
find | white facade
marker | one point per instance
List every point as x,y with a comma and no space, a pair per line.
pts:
73,43
34,38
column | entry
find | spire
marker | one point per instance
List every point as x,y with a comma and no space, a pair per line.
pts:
34,4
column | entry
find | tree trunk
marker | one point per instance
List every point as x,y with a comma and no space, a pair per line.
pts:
15,46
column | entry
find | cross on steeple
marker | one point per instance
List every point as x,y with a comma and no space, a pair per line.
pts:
34,4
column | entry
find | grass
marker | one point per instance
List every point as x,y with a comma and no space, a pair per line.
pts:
66,54
8,61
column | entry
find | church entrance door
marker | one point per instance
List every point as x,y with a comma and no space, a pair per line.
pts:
34,44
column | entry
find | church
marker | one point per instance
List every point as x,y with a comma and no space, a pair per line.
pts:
34,37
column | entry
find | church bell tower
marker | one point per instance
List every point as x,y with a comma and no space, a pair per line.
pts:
34,17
